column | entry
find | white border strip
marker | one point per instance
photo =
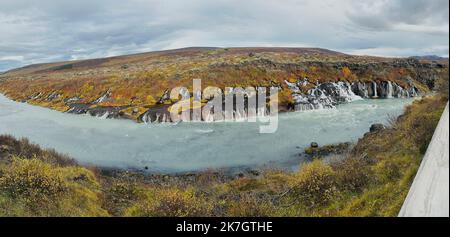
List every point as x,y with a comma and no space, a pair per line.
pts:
429,193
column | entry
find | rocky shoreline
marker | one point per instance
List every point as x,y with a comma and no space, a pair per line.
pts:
306,96
137,87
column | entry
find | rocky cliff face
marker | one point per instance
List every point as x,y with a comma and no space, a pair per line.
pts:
322,96
330,94
136,86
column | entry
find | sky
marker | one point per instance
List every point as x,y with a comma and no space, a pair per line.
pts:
56,30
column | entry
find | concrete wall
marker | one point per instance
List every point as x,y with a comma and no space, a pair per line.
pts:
429,193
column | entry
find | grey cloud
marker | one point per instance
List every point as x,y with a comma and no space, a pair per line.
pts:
385,15
53,30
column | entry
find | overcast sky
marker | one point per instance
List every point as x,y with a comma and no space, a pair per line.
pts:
55,30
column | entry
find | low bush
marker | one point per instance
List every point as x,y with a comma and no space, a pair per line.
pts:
171,202
249,205
353,173
30,187
315,184
33,179
122,195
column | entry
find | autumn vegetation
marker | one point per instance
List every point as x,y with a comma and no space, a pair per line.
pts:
371,179
136,82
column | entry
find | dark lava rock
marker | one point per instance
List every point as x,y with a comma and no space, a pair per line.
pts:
327,150
103,98
72,100
107,111
36,95
81,177
253,172
165,97
53,96
4,148
78,109
156,114
377,127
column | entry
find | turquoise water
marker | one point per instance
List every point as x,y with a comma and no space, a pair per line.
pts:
191,146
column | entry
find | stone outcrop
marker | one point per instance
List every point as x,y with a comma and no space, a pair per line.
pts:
158,114
328,95
321,96
377,127
103,98
316,151
107,112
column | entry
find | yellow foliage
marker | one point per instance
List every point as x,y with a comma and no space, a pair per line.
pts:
171,202
150,100
315,184
346,72
40,189
87,88
32,179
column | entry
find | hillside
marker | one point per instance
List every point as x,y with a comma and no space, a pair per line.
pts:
136,86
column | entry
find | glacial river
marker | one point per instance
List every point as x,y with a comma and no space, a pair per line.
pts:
191,146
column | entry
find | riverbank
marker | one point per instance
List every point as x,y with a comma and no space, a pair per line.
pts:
372,180
137,87
187,147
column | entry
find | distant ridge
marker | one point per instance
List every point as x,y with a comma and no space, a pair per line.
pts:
181,51
299,50
429,57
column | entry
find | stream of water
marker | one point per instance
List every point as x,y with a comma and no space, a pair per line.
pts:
191,146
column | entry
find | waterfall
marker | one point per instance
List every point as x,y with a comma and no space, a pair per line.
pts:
208,117
262,111
366,92
292,86
104,116
144,118
375,95
349,92
325,96
164,119
389,90
360,89
242,115
398,91
413,92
